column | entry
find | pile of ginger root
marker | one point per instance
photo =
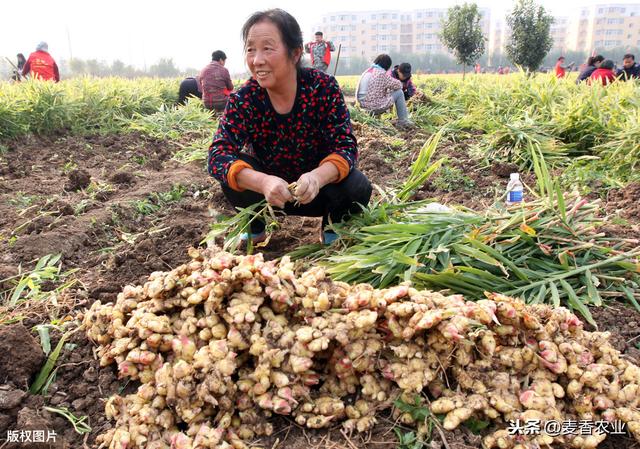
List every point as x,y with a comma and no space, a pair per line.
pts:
222,343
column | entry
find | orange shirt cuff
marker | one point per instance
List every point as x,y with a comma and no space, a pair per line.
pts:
341,164
236,168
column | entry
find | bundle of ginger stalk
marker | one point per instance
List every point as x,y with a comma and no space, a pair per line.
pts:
222,343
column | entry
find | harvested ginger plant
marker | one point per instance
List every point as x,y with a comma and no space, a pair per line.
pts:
222,343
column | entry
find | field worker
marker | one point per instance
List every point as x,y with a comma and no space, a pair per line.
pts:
603,74
320,51
629,68
19,66
287,124
41,65
215,82
189,87
377,91
593,63
561,69
402,72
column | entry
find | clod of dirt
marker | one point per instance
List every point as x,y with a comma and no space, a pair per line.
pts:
10,397
30,419
503,169
123,177
625,201
20,355
154,164
78,179
65,208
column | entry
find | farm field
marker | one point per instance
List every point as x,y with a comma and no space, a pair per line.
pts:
103,182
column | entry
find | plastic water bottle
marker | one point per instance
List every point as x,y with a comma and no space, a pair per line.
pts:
514,189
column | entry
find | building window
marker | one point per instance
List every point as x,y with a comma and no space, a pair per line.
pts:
373,16
383,26
394,16
353,18
374,48
419,15
333,18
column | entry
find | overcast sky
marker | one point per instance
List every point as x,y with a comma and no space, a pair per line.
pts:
139,32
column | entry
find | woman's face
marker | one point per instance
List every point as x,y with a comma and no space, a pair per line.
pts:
267,56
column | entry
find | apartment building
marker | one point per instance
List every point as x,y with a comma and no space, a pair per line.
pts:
605,26
559,31
365,34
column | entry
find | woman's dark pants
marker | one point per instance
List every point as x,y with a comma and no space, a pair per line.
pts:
334,202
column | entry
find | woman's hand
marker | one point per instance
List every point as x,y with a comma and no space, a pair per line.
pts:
307,188
276,191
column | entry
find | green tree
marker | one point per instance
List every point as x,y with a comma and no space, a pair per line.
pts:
164,68
530,39
462,34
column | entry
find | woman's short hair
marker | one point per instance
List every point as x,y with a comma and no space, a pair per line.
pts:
218,55
607,64
383,61
286,24
598,58
405,69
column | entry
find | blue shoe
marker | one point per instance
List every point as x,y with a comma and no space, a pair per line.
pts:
255,237
329,237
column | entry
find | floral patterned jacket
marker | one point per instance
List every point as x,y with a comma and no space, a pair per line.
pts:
381,85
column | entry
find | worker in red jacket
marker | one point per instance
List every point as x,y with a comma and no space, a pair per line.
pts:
561,69
320,51
603,74
41,65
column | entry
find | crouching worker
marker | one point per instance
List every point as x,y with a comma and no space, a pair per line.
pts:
402,72
287,124
377,90
189,87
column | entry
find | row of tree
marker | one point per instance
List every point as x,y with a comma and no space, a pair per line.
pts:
163,68
528,47
528,44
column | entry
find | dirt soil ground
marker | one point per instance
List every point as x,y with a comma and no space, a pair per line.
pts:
118,208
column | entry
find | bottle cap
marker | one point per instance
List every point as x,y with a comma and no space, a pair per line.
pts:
515,176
